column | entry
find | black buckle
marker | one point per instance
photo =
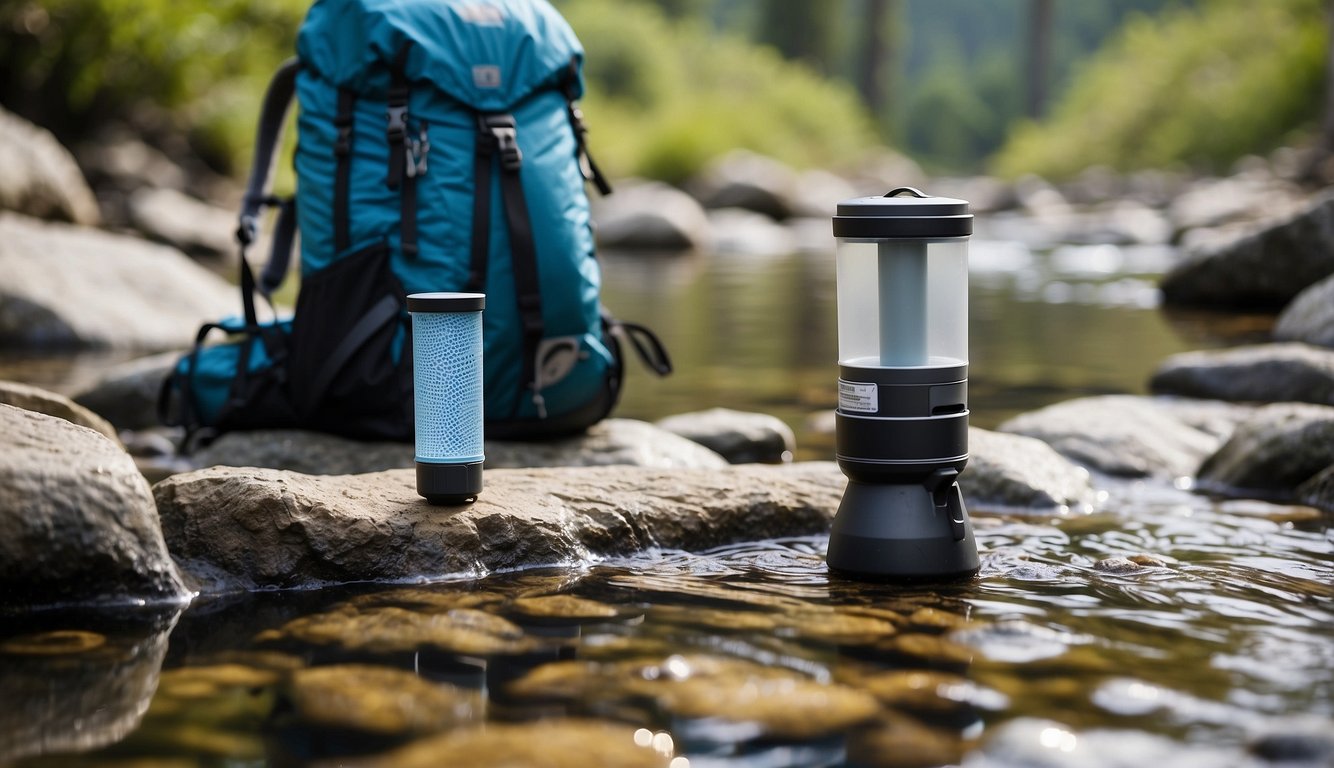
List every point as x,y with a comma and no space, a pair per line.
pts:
397,123
501,128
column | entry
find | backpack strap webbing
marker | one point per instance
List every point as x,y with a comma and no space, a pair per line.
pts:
343,122
407,156
523,249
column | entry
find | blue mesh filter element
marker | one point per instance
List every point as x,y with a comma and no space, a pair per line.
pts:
447,377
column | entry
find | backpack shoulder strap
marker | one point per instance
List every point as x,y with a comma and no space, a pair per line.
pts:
273,114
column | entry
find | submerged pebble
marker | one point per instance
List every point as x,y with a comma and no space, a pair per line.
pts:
57,642
389,630
549,743
380,700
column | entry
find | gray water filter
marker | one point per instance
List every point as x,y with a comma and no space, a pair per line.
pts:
901,426
447,386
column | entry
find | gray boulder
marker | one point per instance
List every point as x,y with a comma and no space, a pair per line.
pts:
1121,435
69,286
41,178
185,223
610,442
1310,316
1278,449
239,529
650,216
741,232
1012,472
31,398
77,521
126,394
744,179
739,437
1265,268
1267,373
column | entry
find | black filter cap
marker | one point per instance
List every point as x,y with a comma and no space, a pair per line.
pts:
916,215
446,302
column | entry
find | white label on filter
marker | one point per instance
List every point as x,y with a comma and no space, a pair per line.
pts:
858,398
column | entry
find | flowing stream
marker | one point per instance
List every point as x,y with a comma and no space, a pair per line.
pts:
1165,629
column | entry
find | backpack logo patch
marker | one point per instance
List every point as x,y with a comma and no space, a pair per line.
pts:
486,76
483,15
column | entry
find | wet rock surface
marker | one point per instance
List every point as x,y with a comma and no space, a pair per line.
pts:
185,223
379,700
74,287
1120,435
739,437
1318,491
1266,268
1266,373
234,528
31,398
743,179
41,177
77,520
555,743
1278,449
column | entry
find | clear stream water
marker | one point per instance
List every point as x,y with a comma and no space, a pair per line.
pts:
1165,629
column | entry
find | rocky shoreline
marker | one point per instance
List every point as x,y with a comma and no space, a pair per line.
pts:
80,523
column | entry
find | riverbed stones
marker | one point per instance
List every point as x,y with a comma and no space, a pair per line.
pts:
41,177
74,287
1266,373
248,528
1265,268
1310,316
1120,435
1278,449
555,743
388,629
32,398
1008,472
379,700
777,702
77,521
738,436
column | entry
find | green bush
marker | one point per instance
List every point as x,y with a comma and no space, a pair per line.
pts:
1195,87
665,97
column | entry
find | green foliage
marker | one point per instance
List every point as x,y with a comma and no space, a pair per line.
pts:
1198,87
666,96
200,65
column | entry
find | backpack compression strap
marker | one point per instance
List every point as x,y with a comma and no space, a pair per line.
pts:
587,166
501,138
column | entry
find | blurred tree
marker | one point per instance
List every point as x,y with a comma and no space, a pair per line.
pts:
877,52
801,30
1039,55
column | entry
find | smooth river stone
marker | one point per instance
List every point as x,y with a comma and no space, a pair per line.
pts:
380,700
565,743
391,630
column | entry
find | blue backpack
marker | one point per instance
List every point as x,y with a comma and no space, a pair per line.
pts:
440,148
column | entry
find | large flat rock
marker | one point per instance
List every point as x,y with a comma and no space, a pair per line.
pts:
243,528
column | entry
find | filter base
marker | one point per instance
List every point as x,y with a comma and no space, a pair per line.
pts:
903,533
449,483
